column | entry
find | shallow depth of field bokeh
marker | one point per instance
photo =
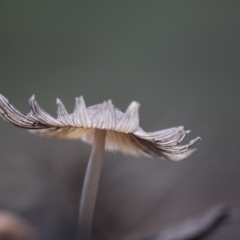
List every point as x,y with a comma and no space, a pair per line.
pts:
179,59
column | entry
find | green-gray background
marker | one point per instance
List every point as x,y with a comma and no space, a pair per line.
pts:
179,59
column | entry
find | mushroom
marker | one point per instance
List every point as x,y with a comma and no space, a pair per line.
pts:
105,127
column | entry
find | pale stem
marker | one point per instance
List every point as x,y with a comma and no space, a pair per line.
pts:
90,186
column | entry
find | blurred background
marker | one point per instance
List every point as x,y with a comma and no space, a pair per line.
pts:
179,59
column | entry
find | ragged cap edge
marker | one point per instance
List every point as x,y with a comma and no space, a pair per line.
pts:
105,117
130,119
80,114
39,119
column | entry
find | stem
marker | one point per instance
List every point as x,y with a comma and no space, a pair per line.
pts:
90,186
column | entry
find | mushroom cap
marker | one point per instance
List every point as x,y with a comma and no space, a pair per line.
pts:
123,131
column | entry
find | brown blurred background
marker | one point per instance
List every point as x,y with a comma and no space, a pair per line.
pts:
179,59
